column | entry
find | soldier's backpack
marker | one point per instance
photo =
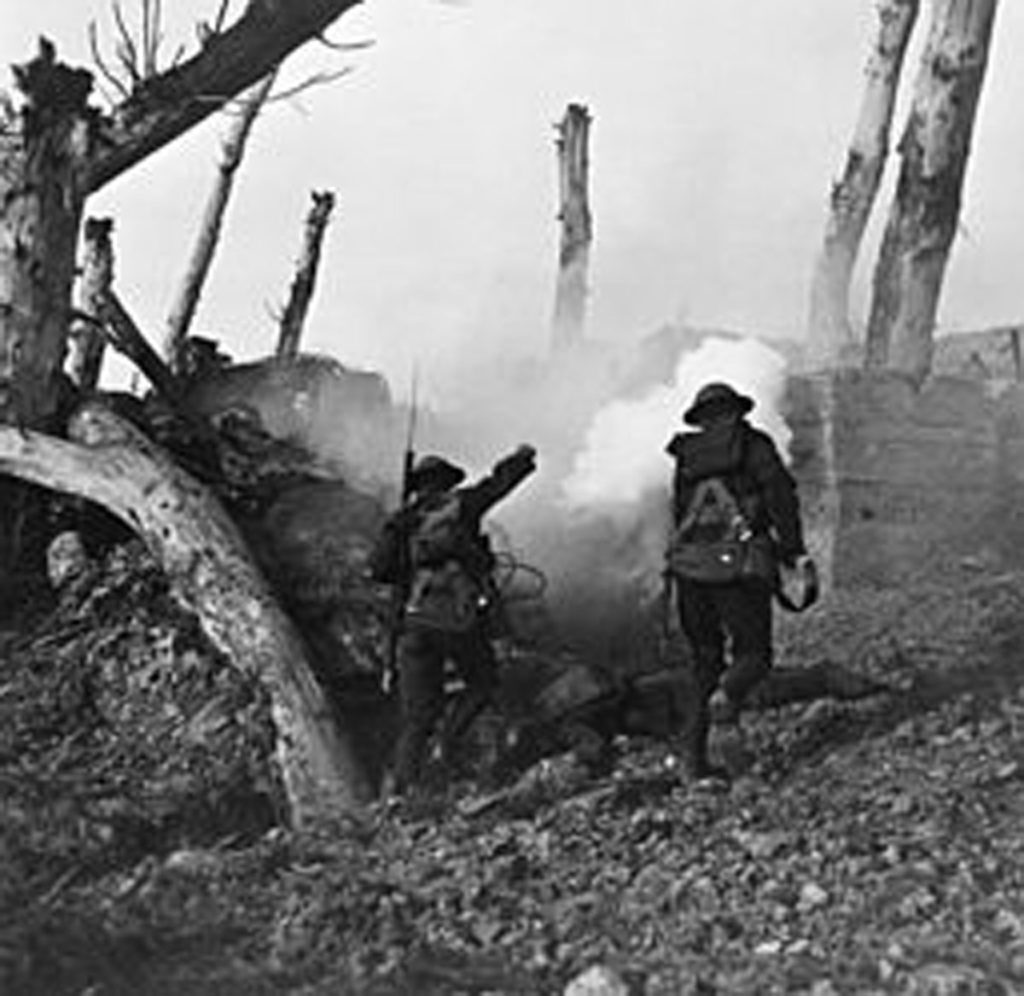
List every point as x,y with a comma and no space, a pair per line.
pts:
713,541
439,534
450,589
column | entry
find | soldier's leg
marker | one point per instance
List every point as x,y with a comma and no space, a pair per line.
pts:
747,617
822,680
421,698
700,621
473,656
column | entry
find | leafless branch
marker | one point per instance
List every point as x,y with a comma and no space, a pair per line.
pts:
146,39
152,35
345,46
222,14
170,105
97,57
125,49
318,79
136,52
175,59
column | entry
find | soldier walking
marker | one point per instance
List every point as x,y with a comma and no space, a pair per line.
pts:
737,517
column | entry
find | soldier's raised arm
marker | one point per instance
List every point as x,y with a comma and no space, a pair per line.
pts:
505,476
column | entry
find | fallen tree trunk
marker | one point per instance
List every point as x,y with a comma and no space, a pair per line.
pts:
126,337
111,463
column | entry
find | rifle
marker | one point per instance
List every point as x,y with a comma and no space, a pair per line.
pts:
400,590
666,601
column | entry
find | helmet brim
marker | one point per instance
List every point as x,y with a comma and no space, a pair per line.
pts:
699,413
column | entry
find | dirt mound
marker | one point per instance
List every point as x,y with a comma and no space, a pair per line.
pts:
123,734
863,848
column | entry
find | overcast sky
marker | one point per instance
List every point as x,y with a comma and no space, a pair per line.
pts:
717,129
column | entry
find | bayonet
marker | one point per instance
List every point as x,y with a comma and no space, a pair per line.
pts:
400,590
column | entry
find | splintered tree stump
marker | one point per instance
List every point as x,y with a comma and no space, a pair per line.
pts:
110,462
303,283
576,227
86,343
208,235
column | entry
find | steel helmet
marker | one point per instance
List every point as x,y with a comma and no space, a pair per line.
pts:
716,397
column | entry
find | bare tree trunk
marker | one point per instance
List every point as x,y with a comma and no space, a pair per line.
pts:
85,356
209,566
926,208
39,219
577,229
232,150
830,334
301,293
42,209
56,152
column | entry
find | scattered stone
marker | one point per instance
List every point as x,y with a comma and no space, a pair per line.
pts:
812,896
824,987
762,846
598,980
953,980
66,559
1009,924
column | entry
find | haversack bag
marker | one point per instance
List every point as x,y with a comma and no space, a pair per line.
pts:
723,561
447,599
714,543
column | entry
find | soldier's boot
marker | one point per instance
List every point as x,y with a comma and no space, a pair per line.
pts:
743,676
698,762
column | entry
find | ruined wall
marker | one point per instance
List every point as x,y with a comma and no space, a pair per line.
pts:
893,479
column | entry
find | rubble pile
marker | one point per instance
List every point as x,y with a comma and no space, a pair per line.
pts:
123,735
863,848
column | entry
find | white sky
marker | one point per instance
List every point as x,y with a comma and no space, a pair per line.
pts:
718,127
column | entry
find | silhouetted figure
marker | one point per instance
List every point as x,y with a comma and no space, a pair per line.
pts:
737,516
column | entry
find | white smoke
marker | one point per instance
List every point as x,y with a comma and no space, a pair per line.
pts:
623,458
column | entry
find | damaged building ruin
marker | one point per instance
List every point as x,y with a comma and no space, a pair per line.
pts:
894,478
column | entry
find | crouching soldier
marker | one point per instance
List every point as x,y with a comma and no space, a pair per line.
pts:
434,548
737,517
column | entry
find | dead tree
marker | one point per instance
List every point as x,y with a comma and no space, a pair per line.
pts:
830,334
925,211
110,462
85,355
576,224
301,293
232,150
55,151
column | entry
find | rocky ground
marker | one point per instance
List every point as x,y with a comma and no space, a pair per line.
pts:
863,848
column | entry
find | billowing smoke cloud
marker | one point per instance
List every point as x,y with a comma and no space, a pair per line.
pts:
601,535
595,519
624,458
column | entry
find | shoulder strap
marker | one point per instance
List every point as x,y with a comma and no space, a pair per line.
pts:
709,494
